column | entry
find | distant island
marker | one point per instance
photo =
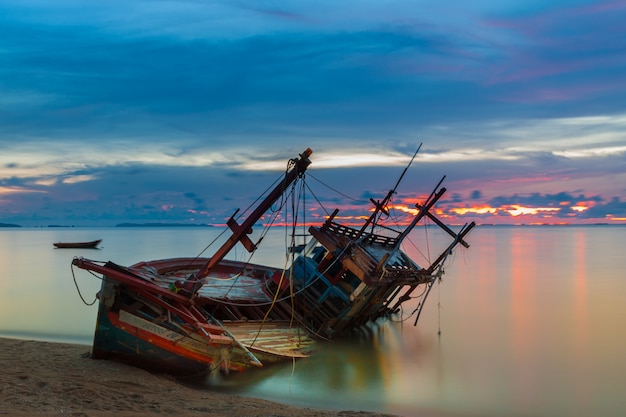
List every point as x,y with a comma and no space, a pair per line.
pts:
161,225
9,225
173,225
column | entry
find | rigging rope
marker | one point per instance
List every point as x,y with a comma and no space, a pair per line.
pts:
78,289
439,307
294,210
273,184
337,191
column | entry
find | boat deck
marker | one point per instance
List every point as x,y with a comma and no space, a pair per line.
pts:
232,281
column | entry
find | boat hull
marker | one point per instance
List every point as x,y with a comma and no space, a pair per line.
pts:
120,342
77,245
132,328
194,315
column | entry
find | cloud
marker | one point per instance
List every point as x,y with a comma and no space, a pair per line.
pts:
138,108
101,78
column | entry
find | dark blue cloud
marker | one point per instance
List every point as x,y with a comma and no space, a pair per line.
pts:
616,207
476,195
541,200
90,77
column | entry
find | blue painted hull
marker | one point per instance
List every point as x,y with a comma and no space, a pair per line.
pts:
112,342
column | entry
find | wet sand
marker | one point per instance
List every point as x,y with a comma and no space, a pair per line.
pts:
57,379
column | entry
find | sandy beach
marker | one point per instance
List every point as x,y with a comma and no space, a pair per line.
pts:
57,379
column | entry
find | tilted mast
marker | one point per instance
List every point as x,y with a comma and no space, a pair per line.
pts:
240,232
382,205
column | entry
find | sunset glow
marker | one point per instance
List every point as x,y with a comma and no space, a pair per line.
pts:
474,210
519,211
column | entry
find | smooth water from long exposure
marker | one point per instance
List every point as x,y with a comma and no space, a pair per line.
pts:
527,322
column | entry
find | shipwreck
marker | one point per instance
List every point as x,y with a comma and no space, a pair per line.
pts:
193,316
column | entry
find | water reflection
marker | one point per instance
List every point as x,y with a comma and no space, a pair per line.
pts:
523,316
360,372
531,323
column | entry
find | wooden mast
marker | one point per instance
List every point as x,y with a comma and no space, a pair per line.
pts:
240,232
381,206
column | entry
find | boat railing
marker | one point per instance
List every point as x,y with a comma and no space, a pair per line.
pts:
404,274
354,234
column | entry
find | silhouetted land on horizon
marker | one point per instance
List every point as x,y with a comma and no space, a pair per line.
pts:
161,225
138,225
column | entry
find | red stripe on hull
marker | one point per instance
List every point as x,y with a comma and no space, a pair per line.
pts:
173,347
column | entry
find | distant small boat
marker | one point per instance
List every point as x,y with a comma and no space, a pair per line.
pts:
78,245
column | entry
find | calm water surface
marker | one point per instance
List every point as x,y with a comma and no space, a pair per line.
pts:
527,322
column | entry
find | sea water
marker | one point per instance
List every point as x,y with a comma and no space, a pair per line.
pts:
529,321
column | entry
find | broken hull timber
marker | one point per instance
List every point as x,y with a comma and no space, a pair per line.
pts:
169,335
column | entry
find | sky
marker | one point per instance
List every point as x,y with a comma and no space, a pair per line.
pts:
182,111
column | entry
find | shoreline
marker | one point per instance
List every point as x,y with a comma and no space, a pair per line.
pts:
60,379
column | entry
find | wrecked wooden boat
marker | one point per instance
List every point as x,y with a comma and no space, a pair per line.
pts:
194,315
78,245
